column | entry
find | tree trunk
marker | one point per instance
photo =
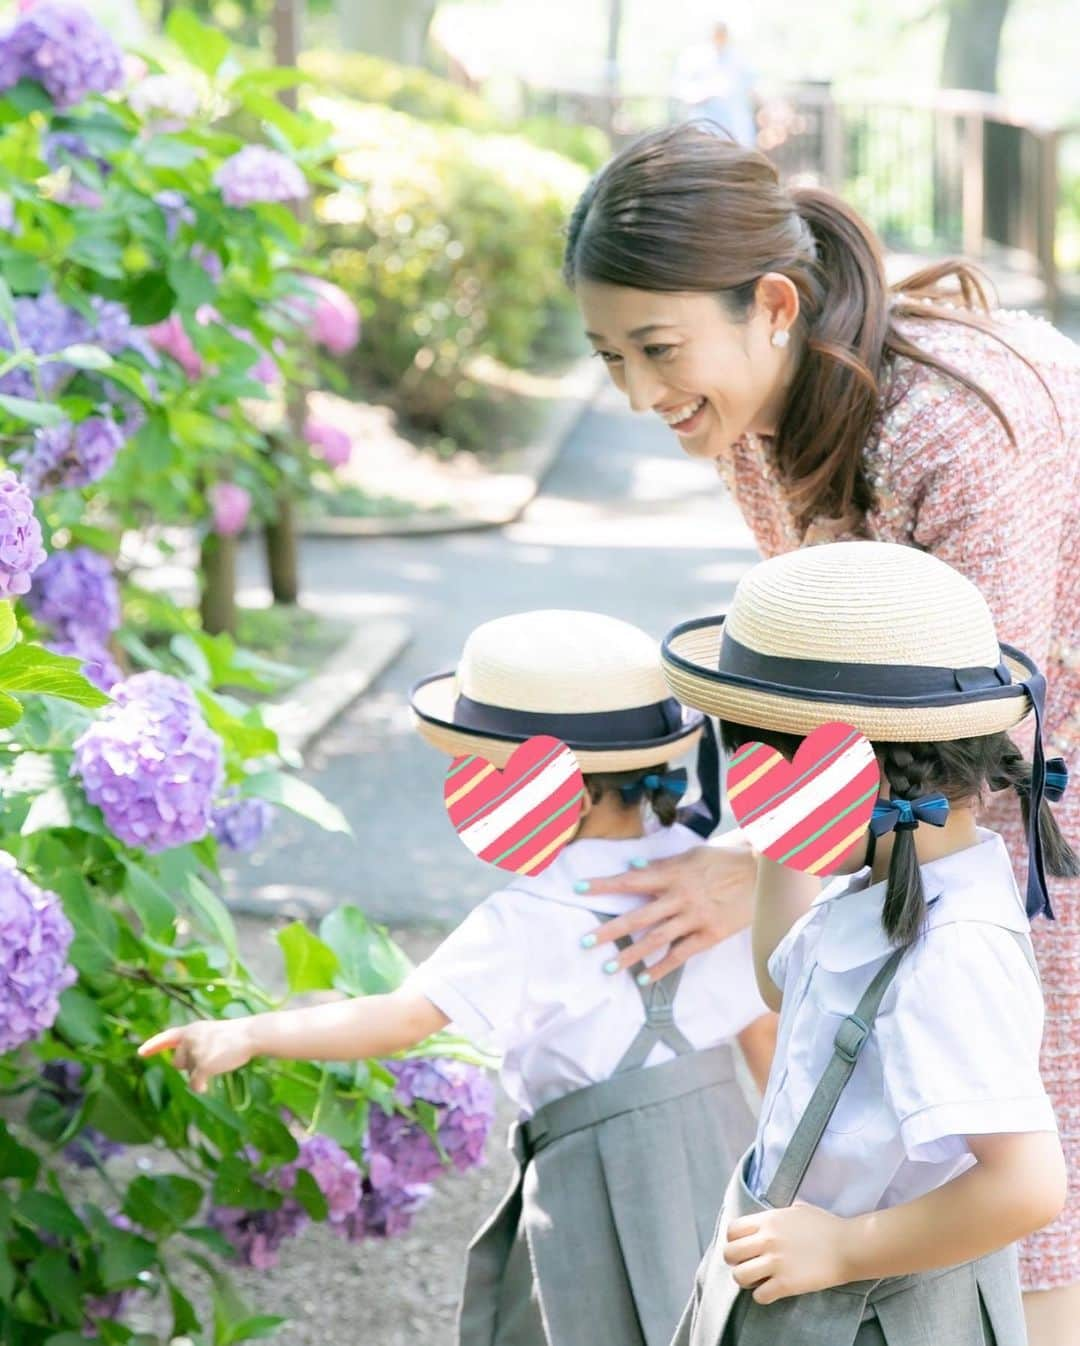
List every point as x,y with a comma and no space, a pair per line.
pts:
282,554
217,601
282,551
396,29
973,44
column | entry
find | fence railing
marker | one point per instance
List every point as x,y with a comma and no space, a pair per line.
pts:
950,171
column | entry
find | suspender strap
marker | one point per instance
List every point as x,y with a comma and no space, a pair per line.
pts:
659,1026
848,1043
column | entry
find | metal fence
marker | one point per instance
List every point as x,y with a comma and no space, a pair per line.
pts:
950,172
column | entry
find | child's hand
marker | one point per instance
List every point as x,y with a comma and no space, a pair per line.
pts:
205,1049
793,1251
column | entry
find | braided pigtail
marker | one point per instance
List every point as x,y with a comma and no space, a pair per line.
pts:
911,769
1010,770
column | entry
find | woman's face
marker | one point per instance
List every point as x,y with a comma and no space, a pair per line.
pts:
709,377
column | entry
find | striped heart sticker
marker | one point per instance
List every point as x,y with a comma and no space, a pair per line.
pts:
809,814
521,817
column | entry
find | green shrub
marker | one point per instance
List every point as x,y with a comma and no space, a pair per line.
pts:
450,244
372,79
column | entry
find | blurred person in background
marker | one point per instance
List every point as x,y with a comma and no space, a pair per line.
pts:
713,84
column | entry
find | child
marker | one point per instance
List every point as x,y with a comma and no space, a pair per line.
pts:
906,1107
621,1168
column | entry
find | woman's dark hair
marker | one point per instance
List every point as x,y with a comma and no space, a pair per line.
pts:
961,770
685,209
664,804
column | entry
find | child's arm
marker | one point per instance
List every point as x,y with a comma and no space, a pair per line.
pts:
781,896
1017,1186
347,1030
758,1044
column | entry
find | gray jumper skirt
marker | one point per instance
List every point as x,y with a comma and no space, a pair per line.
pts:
613,1201
975,1304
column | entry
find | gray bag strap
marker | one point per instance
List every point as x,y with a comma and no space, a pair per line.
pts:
850,1038
658,999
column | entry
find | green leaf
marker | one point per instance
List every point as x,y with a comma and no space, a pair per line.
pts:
53,1277
188,651
203,46
191,283
16,1161
150,299
211,914
33,413
84,356
11,711
123,1256
7,304
118,1110
93,950
257,1326
185,1319
30,668
168,152
28,96
9,627
153,905
49,1213
81,1019
299,797
309,964
370,962
162,1204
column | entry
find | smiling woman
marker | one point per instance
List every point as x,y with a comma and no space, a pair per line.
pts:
756,320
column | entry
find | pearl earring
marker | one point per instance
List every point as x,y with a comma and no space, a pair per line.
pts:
780,339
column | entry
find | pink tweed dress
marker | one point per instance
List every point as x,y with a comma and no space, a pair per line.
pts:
947,480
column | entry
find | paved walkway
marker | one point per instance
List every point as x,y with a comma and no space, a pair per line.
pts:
625,524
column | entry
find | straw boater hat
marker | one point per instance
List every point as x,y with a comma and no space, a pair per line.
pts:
592,681
884,637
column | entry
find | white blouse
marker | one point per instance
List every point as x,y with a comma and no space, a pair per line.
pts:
514,975
954,1051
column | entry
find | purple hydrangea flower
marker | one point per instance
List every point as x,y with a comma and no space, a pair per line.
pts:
35,936
76,592
45,326
335,320
90,1146
337,1176
98,665
151,763
67,456
64,49
256,174
241,823
67,149
330,442
464,1097
111,326
256,1236
176,210
7,213
21,552
386,1208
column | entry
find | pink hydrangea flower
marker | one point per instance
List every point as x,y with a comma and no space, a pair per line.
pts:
171,337
332,444
335,322
230,505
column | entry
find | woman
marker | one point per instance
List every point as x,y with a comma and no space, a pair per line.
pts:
756,320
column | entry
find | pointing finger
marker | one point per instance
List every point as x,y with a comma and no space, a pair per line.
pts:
162,1042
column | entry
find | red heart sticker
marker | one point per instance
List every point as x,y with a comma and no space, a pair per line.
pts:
521,817
811,813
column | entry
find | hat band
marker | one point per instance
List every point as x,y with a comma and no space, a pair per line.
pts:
605,728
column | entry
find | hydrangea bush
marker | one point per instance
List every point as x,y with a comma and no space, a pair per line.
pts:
155,296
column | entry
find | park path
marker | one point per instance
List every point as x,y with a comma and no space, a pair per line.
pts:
625,524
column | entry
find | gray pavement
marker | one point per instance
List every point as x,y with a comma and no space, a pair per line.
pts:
625,524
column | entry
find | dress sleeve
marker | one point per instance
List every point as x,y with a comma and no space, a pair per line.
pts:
960,1047
477,974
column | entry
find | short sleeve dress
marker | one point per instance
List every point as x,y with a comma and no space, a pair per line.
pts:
947,479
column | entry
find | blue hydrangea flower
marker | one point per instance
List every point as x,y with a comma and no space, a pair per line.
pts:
68,456
76,593
35,936
63,48
240,824
21,552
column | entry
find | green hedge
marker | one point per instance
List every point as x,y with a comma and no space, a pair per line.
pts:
450,243
372,79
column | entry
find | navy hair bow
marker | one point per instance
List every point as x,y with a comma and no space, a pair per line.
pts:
1057,779
672,783
904,815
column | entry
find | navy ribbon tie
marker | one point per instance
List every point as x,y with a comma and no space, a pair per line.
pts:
904,815
1057,779
672,783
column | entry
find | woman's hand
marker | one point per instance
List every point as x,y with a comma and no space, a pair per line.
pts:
698,898
794,1251
205,1049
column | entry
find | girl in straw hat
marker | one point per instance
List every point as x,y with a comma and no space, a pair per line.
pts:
630,1113
905,1140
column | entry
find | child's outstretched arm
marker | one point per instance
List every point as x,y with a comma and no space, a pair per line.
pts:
1016,1187
347,1030
781,896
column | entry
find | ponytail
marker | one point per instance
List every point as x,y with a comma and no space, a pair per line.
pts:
1013,771
911,770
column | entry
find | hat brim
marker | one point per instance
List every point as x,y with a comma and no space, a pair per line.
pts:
690,655
432,703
